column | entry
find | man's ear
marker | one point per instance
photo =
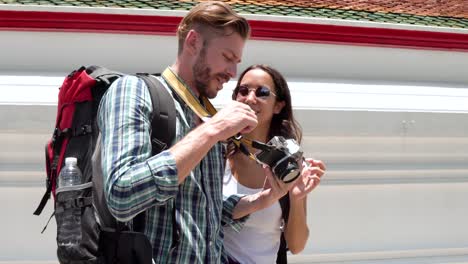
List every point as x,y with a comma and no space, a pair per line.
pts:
278,106
193,42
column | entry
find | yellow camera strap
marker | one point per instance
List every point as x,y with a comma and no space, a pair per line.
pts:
188,97
204,112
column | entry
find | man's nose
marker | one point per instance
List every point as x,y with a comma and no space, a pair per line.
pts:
232,70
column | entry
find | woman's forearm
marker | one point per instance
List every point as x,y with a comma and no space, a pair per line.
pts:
297,231
252,203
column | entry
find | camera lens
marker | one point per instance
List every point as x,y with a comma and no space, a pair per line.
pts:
287,170
292,172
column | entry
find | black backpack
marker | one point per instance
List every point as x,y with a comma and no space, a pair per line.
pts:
103,239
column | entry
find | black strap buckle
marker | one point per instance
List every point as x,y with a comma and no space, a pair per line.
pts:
157,146
83,130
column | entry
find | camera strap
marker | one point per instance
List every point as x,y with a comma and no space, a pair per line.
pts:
207,111
179,86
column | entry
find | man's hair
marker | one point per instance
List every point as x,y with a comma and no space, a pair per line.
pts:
212,19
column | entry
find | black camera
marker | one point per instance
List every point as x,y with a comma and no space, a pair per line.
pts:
284,156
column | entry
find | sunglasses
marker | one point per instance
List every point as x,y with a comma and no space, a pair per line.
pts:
260,92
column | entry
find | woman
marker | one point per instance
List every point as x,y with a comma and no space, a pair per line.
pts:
265,90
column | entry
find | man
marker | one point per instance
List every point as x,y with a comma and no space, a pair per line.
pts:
180,188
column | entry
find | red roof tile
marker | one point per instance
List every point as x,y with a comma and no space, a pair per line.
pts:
444,8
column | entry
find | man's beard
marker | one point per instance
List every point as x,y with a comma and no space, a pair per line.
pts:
202,75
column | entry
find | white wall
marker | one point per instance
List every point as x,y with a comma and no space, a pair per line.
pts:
397,181
52,52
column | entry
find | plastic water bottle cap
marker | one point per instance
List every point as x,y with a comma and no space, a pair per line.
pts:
70,161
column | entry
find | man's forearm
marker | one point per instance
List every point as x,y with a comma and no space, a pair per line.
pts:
192,148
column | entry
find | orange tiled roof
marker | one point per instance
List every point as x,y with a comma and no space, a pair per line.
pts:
438,13
445,8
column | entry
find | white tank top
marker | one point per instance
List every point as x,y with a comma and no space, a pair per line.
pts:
258,241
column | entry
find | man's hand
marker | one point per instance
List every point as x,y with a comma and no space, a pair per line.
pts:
232,119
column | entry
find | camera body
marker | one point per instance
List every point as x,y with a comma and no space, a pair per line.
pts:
284,156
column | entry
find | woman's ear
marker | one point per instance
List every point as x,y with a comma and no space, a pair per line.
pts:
278,106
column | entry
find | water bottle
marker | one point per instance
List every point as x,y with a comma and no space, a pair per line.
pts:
69,220
70,174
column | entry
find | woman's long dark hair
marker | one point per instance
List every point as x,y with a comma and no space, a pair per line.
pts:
282,124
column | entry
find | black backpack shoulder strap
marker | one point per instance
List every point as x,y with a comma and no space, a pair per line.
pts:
164,114
282,257
163,125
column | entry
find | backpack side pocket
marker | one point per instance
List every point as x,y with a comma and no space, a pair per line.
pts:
76,224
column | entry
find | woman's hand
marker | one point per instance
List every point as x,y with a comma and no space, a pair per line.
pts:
310,177
273,190
277,188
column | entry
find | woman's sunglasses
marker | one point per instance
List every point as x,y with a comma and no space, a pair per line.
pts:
260,92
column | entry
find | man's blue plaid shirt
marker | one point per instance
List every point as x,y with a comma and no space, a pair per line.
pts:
134,181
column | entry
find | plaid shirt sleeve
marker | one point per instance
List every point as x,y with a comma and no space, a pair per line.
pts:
229,204
133,180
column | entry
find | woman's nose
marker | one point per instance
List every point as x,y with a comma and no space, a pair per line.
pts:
251,97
